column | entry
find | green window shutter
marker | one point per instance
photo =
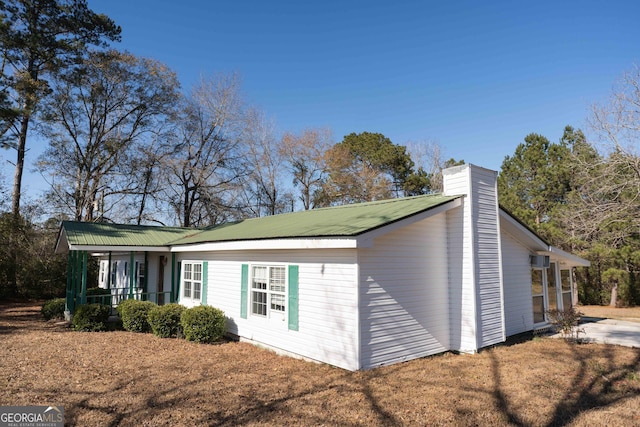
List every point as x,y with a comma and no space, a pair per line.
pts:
244,289
293,297
205,282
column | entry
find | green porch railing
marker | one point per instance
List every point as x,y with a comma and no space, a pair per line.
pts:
113,300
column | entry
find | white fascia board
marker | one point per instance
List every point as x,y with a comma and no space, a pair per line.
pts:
366,240
567,258
521,233
268,244
96,248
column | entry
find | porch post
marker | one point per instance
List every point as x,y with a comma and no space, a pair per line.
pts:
77,277
131,273
173,277
83,292
109,272
69,294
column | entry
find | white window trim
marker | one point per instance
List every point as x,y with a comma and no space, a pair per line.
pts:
271,313
192,280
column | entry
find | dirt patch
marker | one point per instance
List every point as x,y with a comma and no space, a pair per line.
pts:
122,378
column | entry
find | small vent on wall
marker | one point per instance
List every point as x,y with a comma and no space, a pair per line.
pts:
539,261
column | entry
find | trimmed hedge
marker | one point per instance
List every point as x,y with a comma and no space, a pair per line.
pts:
203,324
53,309
134,315
165,320
91,317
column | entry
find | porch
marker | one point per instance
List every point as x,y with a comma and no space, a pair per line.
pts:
132,283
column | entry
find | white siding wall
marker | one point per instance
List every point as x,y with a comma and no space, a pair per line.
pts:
462,291
462,302
518,310
477,313
488,257
404,296
327,302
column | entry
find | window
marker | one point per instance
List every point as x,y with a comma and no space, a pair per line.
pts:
537,293
114,273
140,271
565,281
103,273
268,290
192,280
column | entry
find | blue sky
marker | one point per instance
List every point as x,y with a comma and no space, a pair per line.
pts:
474,76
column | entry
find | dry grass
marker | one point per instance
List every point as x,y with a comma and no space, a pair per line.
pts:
631,314
122,378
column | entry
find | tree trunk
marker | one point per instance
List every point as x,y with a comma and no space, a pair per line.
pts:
17,179
12,286
614,296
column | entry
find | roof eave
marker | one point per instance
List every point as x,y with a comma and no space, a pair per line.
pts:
271,244
107,248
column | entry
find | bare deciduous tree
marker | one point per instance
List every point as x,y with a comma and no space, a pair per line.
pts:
203,165
263,189
97,119
305,154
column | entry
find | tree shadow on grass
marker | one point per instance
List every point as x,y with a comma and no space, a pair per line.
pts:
592,387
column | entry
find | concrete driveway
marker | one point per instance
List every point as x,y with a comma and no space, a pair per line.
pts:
610,331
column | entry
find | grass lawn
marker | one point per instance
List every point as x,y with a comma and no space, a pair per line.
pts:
631,314
123,378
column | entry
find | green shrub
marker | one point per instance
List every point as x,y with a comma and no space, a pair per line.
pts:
53,309
165,320
202,323
134,315
99,295
91,317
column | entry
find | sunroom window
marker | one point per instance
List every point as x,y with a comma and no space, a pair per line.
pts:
537,293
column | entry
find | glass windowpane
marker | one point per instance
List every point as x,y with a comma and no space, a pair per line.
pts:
187,289
538,309
277,302
566,300
565,279
277,279
536,282
196,290
551,287
197,271
259,303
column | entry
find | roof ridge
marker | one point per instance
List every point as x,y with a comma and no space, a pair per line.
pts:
345,206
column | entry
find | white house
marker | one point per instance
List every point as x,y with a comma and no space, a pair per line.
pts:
355,286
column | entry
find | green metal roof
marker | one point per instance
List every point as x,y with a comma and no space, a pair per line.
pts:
339,221
103,234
